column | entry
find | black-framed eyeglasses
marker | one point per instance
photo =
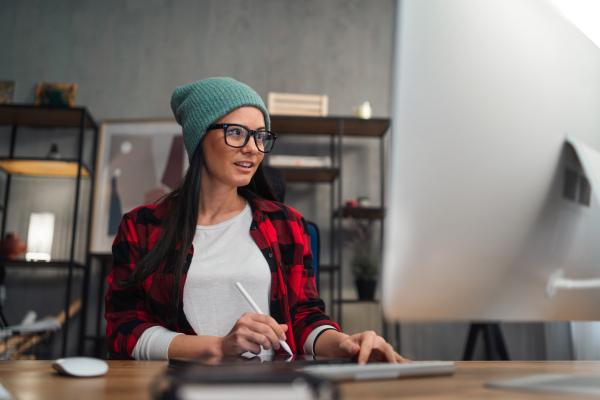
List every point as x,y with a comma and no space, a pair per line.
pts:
238,135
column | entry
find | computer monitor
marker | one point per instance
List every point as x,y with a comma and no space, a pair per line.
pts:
492,186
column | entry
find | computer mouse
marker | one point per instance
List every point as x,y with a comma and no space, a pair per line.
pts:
85,367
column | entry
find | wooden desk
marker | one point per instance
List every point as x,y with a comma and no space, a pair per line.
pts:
131,380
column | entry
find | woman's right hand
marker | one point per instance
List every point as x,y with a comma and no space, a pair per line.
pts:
252,331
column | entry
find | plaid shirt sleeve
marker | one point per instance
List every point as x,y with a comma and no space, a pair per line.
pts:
282,235
127,309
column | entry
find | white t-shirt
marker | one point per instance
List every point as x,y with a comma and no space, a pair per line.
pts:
223,255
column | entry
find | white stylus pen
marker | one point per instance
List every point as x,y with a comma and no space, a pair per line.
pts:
257,310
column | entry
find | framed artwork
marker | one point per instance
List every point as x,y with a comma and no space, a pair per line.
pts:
7,92
138,162
55,94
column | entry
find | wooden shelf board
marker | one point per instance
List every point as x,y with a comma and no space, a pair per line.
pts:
329,268
363,212
309,174
329,125
37,264
52,168
22,114
102,256
366,127
356,301
307,125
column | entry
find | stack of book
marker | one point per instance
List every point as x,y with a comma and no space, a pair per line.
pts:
286,161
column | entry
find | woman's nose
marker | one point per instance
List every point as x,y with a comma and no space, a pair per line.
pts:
250,146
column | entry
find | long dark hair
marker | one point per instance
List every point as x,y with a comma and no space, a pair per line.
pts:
179,226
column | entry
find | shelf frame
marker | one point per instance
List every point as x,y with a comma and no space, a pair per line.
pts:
326,175
337,127
46,116
350,126
19,263
17,115
43,167
363,212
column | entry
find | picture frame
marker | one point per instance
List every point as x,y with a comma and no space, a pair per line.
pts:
55,94
138,162
7,92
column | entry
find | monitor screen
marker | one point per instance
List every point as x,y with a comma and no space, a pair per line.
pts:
491,189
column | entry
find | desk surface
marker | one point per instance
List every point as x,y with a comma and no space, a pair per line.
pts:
131,380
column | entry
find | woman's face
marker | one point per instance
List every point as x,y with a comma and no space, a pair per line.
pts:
230,166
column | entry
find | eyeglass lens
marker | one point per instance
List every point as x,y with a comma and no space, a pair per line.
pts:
237,136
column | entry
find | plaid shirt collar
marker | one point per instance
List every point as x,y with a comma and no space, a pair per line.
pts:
258,206
261,206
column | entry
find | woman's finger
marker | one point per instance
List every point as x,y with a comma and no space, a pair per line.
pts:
246,345
270,321
236,343
349,347
261,339
373,347
267,326
250,332
366,346
387,350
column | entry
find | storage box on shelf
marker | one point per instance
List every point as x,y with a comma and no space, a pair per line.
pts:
27,133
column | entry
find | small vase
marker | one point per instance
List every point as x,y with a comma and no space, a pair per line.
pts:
366,289
11,246
53,154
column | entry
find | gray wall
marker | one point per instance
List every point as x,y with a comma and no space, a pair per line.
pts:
128,56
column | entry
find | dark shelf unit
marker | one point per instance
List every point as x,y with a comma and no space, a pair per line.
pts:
363,212
99,336
358,301
310,174
43,167
39,264
350,126
337,127
77,168
45,116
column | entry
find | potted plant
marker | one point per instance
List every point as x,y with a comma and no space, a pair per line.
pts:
365,267
365,262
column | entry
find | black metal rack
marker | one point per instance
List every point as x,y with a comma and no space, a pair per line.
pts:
79,166
337,128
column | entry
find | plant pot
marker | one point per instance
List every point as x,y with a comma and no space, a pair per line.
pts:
366,289
11,246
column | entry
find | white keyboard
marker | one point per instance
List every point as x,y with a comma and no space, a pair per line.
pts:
375,371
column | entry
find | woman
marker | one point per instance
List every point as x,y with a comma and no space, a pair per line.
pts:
172,286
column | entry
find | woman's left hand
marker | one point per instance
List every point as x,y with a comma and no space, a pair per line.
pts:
363,347
369,347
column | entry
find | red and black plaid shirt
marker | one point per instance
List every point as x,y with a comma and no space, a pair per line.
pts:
282,236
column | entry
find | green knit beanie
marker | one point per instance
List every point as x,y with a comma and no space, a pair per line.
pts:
201,103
